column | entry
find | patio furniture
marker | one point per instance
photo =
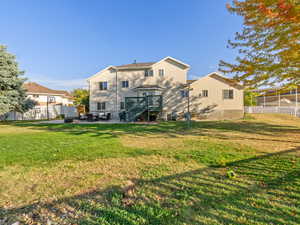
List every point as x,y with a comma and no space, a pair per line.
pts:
82,116
122,116
90,117
104,116
68,120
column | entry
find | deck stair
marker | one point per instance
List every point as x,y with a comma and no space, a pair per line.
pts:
136,106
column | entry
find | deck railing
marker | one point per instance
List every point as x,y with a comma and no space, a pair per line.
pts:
135,106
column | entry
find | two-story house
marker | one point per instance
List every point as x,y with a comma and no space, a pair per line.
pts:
158,89
43,95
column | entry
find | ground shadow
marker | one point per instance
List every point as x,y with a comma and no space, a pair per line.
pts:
266,190
168,129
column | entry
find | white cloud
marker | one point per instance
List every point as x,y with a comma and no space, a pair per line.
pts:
57,83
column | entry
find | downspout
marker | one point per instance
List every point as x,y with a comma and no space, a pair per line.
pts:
116,107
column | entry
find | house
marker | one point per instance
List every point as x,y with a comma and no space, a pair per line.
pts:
217,97
279,97
43,95
51,104
160,89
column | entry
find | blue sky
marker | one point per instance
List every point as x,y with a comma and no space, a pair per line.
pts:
60,43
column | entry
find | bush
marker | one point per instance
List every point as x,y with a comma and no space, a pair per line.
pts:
231,174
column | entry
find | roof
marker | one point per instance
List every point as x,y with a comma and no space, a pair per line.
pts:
32,87
190,81
144,65
226,80
148,86
136,65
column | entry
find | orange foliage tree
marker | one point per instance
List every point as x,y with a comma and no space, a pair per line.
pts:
269,44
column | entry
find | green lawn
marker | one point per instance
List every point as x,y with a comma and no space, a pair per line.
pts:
152,174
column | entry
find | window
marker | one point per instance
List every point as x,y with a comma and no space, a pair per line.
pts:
204,93
37,110
103,85
161,72
51,99
148,73
125,84
101,106
227,94
122,105
184,93
35,96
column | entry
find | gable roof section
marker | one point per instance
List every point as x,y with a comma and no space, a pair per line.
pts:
226,80
32,87
177,62
136,65
190,81
143,65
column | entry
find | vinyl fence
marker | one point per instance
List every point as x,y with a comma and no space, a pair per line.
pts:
294,111
41,113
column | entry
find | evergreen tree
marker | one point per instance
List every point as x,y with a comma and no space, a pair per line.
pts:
269,45
12,95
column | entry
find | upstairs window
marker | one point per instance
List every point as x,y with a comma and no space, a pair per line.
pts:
228,94
184,93
125,84
161,72
103,85
148,73
204,93
35,96
101,106
51,99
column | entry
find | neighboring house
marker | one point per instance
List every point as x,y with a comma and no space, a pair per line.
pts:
43,95
51,104
159,89
279,97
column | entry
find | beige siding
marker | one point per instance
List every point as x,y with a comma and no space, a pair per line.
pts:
171,82
175,76
215,102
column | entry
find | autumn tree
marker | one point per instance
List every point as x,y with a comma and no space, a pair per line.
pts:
81,97
269,44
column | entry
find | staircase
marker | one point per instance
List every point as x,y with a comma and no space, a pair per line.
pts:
136,106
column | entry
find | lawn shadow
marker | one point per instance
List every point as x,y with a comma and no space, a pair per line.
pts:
167,129
265,191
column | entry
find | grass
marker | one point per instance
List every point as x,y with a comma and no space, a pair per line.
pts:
152,174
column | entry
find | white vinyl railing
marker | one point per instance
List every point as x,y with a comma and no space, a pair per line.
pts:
294,111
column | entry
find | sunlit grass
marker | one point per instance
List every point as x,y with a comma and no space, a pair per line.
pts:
152,174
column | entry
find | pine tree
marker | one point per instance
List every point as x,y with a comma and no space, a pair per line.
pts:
269,45
12,95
